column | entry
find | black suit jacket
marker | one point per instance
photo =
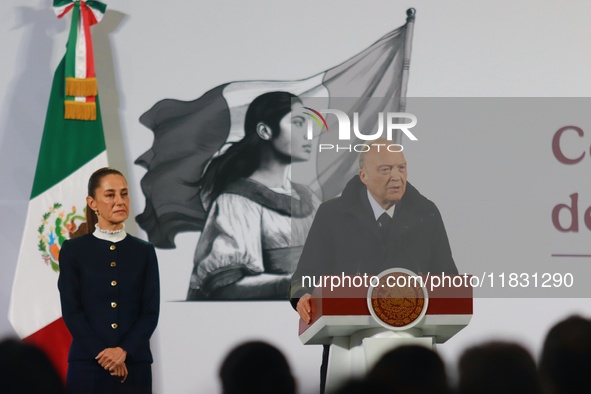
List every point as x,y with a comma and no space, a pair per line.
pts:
110,296
345,238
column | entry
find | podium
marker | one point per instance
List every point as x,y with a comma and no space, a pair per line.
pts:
344,318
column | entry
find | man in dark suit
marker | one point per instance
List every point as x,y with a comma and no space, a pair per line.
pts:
379,222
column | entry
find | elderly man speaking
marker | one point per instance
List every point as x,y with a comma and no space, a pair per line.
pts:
379,222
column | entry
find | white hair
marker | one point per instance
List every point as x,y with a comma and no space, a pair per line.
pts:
379,141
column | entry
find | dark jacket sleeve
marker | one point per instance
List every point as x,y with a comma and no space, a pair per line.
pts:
71,300
317,256
441,257
142,330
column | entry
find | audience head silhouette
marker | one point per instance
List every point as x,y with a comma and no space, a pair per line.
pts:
566,357
256,367
498,367
24,368
356,386
411,369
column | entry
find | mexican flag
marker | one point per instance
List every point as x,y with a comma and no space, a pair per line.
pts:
71,150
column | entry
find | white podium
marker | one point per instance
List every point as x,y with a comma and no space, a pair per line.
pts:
345,319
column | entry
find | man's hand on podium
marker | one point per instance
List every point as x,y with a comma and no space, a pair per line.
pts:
304,308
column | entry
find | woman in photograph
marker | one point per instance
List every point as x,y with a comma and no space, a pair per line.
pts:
257,219
110,295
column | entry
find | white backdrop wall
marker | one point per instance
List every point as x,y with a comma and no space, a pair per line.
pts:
148,50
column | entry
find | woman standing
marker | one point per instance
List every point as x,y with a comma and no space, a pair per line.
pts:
257,219
110,295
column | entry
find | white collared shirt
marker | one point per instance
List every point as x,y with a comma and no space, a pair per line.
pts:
377,208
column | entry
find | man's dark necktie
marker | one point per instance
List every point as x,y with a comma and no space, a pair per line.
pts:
384,222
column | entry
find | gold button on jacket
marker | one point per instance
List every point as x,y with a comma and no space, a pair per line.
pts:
114,283
114,326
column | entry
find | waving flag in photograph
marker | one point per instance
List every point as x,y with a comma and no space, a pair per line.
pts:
71,150
187,134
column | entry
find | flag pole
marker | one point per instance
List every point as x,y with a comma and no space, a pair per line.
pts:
410,23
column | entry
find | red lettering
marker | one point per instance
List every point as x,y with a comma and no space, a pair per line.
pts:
587,218
556,145
574,213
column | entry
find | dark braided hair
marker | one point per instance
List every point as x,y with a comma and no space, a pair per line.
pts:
243,158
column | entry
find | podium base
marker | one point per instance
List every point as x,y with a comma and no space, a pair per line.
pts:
352,356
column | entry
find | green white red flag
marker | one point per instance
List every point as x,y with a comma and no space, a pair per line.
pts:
80,79
71,150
